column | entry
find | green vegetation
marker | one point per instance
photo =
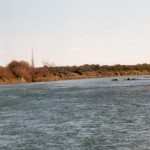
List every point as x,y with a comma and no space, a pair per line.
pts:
22,72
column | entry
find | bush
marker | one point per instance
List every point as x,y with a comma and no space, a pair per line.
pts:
21,69
5,73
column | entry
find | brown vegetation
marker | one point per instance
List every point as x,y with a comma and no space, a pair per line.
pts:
22,72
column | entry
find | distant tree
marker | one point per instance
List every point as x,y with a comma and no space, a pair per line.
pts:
21,69
78,71
47,64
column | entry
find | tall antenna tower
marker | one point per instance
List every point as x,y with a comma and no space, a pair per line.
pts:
32,60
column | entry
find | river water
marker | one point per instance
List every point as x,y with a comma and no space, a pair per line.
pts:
89,114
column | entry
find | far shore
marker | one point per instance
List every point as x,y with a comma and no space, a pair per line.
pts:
18,72
117,78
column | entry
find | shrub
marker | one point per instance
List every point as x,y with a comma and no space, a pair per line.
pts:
21,69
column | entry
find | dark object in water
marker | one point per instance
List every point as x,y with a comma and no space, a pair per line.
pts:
114,80
132,79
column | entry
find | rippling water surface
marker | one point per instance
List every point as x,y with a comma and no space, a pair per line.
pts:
92,114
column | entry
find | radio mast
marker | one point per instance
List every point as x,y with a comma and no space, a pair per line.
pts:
32,60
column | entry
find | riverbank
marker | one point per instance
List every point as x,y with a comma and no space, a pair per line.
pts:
56,78
21,72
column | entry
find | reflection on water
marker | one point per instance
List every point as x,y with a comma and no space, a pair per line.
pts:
93,114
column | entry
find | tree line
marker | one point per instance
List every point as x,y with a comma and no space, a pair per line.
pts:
21,71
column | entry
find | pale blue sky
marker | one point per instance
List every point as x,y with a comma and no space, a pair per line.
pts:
75,32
